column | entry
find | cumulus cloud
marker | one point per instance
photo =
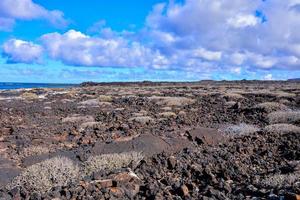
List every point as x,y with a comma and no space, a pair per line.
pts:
76,48
11,10
19,51
261,34
268,77
242,21
236,70
208,55
195,36
6,24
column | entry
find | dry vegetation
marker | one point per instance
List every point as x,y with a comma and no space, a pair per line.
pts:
271,106
233,96
284,117
111,161
41,177
35,150
240,129
172,101
29,96
141,119
282,128
281,180
167,114
105,98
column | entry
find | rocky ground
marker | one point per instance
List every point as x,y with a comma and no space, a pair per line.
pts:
204,140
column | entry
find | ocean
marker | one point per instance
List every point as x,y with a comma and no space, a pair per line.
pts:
10,86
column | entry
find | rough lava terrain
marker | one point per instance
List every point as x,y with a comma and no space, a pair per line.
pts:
201,140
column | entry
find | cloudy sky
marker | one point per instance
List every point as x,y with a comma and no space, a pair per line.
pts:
176,40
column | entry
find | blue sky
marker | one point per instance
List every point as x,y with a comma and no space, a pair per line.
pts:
74,41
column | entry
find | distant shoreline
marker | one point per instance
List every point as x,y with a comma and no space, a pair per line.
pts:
14,85
19,85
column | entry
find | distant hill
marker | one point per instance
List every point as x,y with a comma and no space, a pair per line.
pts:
294,79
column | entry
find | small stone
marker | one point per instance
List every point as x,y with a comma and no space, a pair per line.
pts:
291,196
15,192
35,196
104,183
6,131
117,192
98,175
5,196
185,191
172,162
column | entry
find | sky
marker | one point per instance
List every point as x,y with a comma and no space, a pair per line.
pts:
159,40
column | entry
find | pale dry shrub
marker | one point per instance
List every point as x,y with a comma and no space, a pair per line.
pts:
282,94
233,96
105,98
172,101
182,114
284,101
281,180
71,93
166,109
284,117
111,161
29,96
92,125
142,119
240,129
90,102
35,150
73,119
137,114
282,128
167,115
104,104
41,177
271,106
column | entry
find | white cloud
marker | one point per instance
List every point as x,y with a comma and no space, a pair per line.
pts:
197,36
76,48
11,10
242,21
236,70
254,33
238,58
208,55
268,77
19,51
261,61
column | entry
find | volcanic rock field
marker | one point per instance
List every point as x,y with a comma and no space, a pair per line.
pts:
200,140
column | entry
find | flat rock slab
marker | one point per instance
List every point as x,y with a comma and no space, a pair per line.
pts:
202,135
7,171
147,144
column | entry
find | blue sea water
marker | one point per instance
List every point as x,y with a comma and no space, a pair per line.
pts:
9,86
